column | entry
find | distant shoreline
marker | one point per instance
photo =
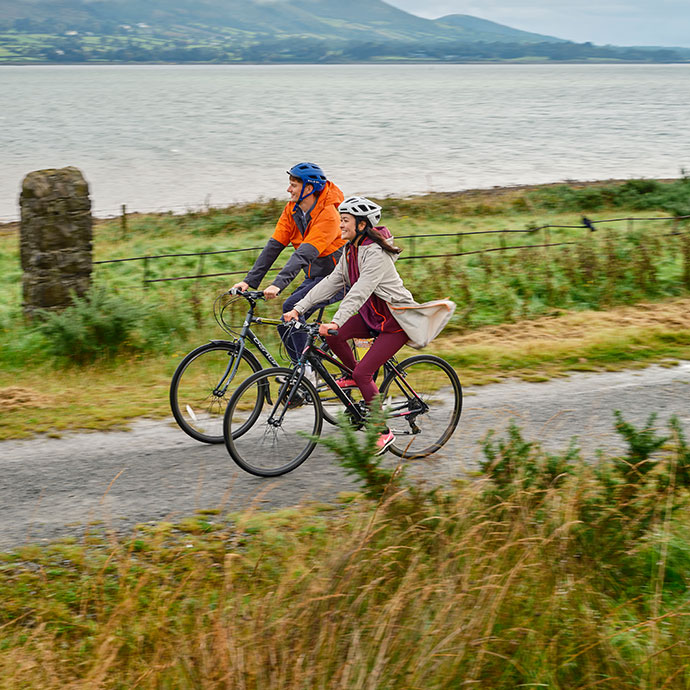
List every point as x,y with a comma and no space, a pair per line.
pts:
329,64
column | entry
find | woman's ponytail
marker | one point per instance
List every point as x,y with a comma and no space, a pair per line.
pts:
373,234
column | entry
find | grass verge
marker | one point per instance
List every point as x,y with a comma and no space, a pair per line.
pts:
536,350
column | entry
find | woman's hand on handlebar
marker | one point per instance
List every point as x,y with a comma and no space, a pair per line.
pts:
324,328
291,316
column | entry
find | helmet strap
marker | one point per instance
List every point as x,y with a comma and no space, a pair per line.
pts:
359,234
302,195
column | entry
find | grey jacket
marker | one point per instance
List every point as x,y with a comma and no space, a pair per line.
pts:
378,276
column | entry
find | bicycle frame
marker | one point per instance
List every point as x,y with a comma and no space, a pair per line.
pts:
240,342
247,334
315,356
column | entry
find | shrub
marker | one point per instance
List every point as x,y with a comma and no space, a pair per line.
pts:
97,325
638,194
617,504
514,463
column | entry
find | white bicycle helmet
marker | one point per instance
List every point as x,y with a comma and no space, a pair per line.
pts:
361,207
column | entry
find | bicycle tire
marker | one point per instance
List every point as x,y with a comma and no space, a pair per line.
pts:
197,409
437,384
282,418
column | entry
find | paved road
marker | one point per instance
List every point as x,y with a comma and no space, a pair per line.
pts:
53,487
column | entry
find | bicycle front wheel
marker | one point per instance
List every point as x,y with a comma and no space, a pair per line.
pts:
424,405
201,387
281,421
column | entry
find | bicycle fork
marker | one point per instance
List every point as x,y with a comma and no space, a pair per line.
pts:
230,371
290,385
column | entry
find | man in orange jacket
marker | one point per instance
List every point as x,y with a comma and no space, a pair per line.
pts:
311,223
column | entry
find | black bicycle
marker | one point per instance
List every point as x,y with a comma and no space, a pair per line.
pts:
274,417
204,380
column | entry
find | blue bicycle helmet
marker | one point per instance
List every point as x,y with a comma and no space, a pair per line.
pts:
309,173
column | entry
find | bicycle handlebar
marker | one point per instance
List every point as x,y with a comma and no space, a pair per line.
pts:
312,328
247,294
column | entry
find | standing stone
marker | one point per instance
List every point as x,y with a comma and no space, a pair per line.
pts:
55,238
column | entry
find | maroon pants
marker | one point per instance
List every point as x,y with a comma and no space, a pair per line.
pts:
383,348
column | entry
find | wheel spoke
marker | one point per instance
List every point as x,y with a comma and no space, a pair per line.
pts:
425,409
200,389
283,431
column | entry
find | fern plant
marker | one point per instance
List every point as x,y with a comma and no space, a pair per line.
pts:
94,326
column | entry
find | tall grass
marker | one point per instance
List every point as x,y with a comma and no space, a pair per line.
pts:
621,263
598,272
535,575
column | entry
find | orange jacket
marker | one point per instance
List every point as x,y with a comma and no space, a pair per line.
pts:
316,252
323,231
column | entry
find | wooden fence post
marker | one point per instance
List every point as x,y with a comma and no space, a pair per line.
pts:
685,243
194,296
123,222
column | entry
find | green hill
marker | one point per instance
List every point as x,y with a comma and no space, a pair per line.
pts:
272,31
474,27
326,19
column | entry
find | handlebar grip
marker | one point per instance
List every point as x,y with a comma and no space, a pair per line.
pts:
332,331
252,294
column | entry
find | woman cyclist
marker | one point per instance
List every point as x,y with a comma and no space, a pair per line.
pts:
377,303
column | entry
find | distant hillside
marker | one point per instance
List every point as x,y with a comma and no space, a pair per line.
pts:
272,31
335,19
474,26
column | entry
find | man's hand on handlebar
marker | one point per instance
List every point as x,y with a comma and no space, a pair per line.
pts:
240,287
324,328
271,292
291,316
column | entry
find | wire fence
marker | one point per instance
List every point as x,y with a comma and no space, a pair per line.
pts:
110,212
585,224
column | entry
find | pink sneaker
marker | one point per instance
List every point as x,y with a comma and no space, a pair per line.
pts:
383,441
345,382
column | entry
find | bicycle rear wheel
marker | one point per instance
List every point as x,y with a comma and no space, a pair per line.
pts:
281,422
422,423
200,390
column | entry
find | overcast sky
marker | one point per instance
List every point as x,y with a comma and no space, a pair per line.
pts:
618,22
